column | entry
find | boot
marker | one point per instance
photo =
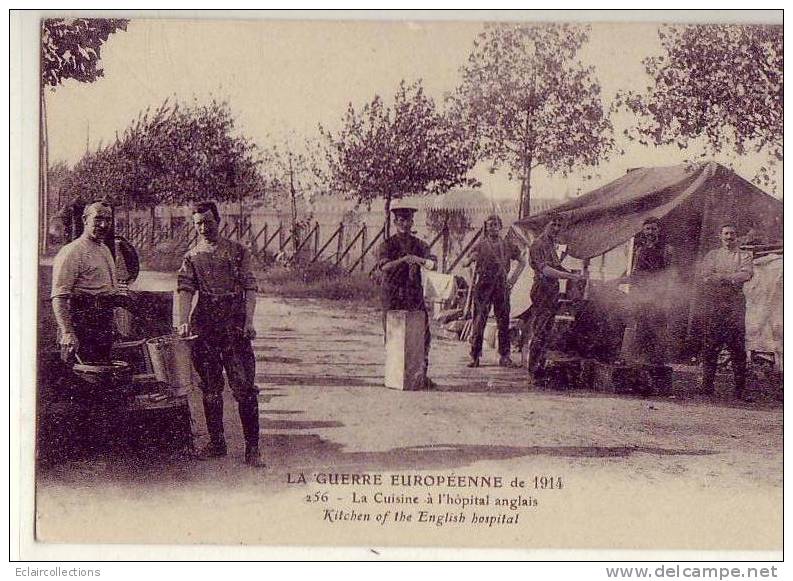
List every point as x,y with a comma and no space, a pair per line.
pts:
708,379
505,361
249,418
215,449
213,412
474,362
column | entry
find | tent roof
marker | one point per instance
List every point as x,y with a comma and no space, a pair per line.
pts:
690,199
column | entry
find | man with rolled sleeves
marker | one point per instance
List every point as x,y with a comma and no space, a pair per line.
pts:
85,291
219,270
400,258
548,271
723,273
492,286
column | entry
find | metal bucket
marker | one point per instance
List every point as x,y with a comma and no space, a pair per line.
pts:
172,361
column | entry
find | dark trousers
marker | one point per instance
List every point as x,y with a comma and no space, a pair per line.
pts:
540,326
227,349
724,325
650,336
93,325
497,297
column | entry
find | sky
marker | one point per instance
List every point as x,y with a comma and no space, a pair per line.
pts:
285,77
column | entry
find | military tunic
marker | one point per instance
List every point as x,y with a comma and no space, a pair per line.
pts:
650,261
724,314
221,275
493,259
402,287
544,300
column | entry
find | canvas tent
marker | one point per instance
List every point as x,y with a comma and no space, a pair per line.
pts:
691,201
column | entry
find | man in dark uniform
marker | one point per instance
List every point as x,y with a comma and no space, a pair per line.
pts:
219,270
652,261
492,286
85,290
546,264
723,273
400,258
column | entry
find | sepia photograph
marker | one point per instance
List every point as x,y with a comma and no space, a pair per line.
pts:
390,280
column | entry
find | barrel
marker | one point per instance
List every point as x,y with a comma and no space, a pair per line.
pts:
172,362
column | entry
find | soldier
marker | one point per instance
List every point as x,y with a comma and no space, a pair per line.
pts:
651,273
400,259
492,286
219,270
85,290
723,273
548,270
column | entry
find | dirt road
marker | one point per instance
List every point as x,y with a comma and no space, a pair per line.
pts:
636,473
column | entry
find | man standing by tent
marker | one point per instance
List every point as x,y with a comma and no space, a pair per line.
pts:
723,273
400,258
650,276
548,271
492,285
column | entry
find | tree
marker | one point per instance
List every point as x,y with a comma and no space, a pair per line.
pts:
173,155
70,49
456,221
401,149
297,172
720,83
531,103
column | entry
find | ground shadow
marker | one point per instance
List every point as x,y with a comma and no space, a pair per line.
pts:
313,452
320,381
277,359
300,424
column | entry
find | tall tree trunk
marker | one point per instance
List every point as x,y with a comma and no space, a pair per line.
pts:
153,220
525,191
293,202
387,222
44,194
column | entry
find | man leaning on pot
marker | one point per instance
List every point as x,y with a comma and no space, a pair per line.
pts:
219,270
85,290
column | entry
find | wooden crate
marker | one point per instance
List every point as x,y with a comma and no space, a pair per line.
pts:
404,347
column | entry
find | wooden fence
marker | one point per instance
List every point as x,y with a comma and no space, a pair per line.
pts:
352,254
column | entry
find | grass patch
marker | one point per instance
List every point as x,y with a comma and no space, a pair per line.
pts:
320,280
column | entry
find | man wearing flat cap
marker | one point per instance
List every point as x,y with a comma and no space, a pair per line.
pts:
400,258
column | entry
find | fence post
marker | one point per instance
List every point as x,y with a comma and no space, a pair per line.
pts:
363,247
316,238
340,245
266,235
445,246
280,236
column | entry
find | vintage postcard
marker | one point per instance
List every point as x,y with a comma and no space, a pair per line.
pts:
496,280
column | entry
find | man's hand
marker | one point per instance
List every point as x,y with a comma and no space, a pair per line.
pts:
183,330
69,345
249,332
413,259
